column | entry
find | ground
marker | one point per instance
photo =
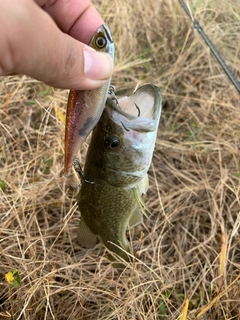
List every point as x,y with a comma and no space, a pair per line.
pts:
188,249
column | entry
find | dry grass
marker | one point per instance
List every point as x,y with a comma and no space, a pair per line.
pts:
190,245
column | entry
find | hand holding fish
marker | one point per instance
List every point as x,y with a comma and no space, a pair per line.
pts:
47,40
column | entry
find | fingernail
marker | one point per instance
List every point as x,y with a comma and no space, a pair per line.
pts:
97,65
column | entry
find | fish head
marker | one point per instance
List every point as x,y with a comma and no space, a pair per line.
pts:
124,138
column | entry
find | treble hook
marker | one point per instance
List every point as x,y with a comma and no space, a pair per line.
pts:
111,92
78,169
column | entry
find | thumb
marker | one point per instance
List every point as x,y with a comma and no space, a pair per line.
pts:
32,44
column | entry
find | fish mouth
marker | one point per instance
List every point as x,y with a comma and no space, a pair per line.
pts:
135,176
139,112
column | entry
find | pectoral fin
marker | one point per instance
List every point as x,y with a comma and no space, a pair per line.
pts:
142,205
143,185
86,237
136,218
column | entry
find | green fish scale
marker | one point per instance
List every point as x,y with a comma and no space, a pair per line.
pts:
106,211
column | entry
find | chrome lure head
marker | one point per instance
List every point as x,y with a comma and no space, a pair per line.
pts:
102,40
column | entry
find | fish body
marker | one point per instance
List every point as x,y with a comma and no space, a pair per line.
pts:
115,172
85,107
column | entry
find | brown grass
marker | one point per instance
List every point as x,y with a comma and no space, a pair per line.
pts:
190,244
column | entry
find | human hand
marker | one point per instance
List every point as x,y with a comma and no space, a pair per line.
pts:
32,43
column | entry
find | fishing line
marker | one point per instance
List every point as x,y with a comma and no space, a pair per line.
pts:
209,43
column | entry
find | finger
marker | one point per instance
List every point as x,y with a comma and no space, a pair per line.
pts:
79,19
32,44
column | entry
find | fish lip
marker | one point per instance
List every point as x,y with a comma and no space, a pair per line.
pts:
138,174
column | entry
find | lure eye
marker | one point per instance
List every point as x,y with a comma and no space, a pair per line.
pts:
100,42
112,142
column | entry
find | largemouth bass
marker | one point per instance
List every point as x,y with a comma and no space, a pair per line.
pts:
115,173
84,108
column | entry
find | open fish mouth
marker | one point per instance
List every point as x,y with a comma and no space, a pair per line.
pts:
139,112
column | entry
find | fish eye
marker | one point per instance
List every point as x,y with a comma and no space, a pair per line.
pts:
100,42
112,142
